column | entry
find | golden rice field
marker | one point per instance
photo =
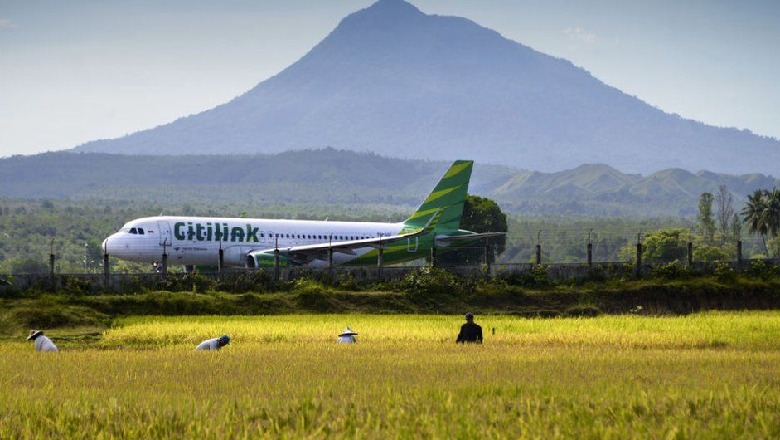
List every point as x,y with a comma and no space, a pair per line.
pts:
713,375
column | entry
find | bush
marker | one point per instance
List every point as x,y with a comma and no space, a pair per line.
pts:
537,276
37,317
77,285
763,270
432,281
724,272
580,310
671,271
306,286
249,281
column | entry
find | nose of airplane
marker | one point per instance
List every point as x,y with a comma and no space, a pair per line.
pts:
109,246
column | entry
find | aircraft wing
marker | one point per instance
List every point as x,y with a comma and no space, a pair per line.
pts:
308,253
446,240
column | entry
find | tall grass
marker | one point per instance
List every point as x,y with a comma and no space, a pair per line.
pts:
712,375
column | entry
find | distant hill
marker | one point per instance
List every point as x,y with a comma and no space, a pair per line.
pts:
395,81
340,177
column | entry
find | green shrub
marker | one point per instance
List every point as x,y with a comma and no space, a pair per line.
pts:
671,271
763,270
537,276
247,281
724,272
77,286
56,315
307,286
583,310
432,281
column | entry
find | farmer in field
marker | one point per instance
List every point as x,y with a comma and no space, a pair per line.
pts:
214,344
470,332
347,336
42,343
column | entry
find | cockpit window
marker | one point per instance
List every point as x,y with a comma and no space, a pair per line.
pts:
141,231
133,231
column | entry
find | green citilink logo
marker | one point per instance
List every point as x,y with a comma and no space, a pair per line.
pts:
215,232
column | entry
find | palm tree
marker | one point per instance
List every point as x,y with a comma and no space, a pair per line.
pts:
773,205
757,214
762,213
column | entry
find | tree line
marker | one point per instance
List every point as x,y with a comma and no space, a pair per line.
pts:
31,229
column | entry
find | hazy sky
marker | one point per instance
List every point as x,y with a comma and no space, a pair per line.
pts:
74,71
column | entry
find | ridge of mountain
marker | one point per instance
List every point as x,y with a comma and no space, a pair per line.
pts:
337,177
395,81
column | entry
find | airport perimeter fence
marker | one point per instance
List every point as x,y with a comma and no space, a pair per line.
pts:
533,258
262,280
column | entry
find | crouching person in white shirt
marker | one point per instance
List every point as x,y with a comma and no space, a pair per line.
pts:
214,344
42,343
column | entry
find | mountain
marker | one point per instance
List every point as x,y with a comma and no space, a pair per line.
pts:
341,178
394,81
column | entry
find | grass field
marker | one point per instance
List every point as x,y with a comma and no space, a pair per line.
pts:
714,375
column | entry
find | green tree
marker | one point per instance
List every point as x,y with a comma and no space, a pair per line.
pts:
661,246
736,227
705,221
479,215
762,214
725,210
706,252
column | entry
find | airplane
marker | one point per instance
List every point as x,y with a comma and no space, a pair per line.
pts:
258,243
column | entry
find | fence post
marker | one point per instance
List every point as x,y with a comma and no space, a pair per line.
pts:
590,248
164,262
739,252
330,253
433,255
690,254
276,259
106,271
380,259
487,256
590,254
539,247
221,263
638,258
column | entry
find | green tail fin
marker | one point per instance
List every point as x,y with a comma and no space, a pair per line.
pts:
446,199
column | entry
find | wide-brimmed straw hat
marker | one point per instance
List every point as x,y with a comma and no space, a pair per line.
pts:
34,334
347,332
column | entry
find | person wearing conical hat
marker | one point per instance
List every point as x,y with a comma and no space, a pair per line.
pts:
347,336
214,344
42,343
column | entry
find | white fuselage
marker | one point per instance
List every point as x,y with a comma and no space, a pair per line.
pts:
197,240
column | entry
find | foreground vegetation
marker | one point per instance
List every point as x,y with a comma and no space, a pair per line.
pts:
710,375
673,289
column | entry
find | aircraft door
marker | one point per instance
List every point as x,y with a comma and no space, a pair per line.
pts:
165,233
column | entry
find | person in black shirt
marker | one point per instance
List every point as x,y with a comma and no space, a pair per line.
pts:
470,332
